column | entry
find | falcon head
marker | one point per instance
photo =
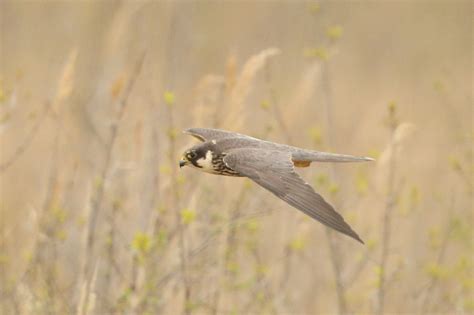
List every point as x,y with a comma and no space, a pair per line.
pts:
199,156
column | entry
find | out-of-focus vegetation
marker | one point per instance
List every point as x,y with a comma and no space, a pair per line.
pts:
96,217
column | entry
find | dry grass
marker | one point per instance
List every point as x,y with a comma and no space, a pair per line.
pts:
96,217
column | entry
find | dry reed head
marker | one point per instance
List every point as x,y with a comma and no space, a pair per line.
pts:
304,92
235,112
401,135
66,80
393,150
208,93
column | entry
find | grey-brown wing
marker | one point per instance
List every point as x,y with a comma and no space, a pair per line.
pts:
274,171
207,134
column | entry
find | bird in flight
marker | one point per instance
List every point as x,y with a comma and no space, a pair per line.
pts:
271,165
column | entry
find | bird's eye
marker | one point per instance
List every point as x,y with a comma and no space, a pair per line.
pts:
191,155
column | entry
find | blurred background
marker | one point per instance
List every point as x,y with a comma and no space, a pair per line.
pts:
96,217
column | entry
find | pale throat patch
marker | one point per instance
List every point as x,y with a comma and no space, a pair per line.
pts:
206,163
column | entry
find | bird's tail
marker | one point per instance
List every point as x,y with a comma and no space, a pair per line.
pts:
316,156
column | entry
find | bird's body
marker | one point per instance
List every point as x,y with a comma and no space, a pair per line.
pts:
269,164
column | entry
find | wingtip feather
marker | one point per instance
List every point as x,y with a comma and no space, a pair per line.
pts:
359,239
354,235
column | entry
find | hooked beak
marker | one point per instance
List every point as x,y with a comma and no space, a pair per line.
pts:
182,163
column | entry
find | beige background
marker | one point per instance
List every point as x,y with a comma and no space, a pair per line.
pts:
319,75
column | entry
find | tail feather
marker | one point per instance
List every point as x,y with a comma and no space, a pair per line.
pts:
315,156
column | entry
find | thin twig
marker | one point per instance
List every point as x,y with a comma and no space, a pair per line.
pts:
275,104
428,296
333,250
179,223
96,201
229,248
211,239
350,278
387,216
27,141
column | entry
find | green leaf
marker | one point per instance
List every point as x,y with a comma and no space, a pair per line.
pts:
436,271
297,244
315,134
169,98
333,188
334,32
319,52
2,94
252,226
141,243
188,216
322,180
362,183
265,104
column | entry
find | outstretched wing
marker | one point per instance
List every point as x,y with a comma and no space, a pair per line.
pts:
206,134
274,170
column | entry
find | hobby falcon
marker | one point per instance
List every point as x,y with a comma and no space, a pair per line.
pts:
271,165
